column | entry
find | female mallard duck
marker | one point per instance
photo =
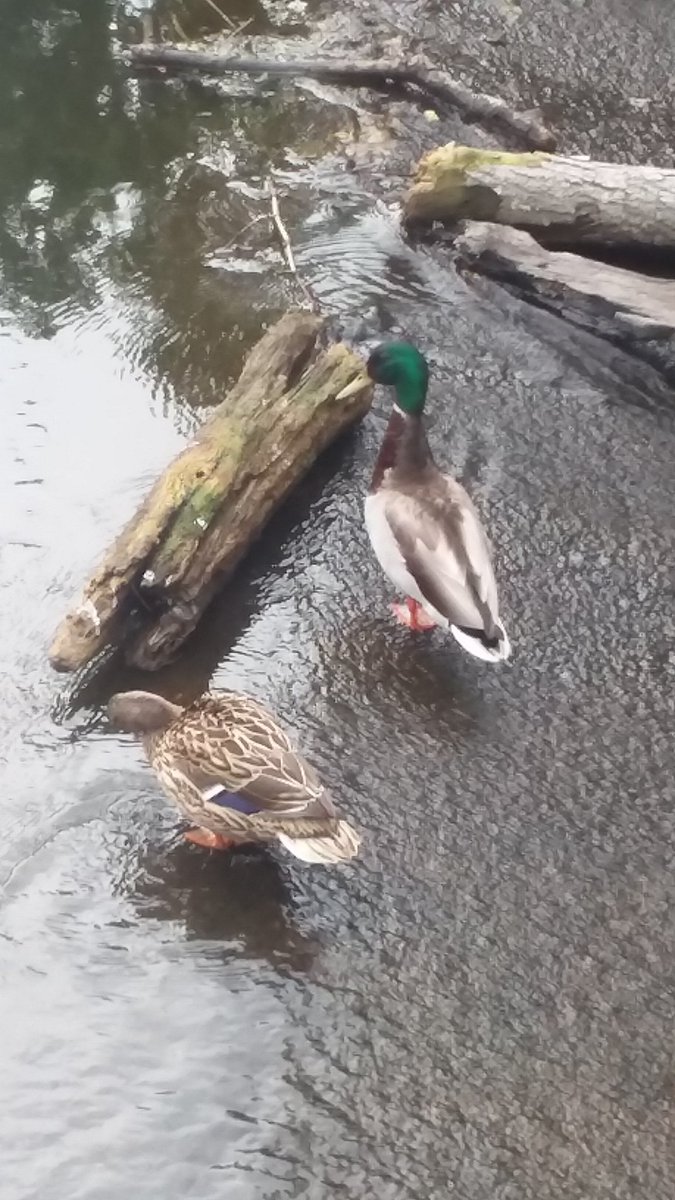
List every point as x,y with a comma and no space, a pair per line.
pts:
232,770
423,527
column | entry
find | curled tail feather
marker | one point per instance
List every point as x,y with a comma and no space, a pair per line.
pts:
477,646
335,847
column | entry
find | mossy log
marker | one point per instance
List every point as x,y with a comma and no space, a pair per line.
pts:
632,310
213,500
562,201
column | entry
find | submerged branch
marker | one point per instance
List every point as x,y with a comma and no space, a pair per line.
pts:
431,89
312,300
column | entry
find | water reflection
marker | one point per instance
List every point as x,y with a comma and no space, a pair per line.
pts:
400,672
459,1003
240,899
123,198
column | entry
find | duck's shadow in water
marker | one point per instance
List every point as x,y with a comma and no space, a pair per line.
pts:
239,898
400,670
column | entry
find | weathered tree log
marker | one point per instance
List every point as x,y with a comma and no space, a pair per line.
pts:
432,88
213,500
627,308
562,201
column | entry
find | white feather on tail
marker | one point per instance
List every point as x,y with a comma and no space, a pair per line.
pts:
339,847
498,653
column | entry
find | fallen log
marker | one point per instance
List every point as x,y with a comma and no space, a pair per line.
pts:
213,500
562,201
630,309
430,88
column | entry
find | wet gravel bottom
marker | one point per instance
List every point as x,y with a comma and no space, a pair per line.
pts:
482,1005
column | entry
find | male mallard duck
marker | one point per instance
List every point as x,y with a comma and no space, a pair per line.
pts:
230,768
423,527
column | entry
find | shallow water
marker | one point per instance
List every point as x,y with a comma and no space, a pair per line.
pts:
481,1006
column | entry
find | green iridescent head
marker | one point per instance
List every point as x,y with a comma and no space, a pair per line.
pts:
401,365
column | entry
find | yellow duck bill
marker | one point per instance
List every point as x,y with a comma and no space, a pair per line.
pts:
352,389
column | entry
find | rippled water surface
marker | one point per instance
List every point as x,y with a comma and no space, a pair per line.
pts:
483,1005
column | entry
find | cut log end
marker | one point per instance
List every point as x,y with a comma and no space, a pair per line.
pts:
213,500
78,639
443,187
563,202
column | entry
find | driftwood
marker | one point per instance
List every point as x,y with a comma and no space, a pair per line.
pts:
213,500
562,201
431,88
632,310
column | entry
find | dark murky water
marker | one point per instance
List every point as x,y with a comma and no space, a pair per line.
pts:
483,1006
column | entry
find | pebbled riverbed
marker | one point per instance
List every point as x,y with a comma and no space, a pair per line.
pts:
483,1005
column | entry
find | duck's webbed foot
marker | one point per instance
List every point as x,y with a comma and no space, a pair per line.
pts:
209,840
412,615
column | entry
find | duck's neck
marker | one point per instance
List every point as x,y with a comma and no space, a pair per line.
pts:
404,447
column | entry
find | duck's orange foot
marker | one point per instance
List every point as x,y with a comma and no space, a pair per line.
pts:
209,840
412,615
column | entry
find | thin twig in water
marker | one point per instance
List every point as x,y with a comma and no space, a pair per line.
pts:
253,221
179,28
240,28
281,228
234,29
223,16
309,295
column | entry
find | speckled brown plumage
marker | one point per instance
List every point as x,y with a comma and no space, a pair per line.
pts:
229,740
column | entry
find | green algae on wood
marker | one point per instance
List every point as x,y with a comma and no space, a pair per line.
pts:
562,201
209,505
448,183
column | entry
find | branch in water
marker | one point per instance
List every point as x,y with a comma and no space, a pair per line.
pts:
433,88
281,228
288,249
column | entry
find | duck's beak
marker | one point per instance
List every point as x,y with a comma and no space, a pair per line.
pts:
352,389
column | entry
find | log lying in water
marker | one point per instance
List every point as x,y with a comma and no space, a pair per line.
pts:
562,201
213,500
433,88
629,309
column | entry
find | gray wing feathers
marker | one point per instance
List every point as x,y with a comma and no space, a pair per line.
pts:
446,551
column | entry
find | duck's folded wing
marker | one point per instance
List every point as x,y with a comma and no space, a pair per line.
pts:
234,770
445,549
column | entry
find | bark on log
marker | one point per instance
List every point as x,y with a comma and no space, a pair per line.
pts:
214,499
562,201
627,308
430,87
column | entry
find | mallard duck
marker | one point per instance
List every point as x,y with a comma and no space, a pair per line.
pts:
233,771
423,527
